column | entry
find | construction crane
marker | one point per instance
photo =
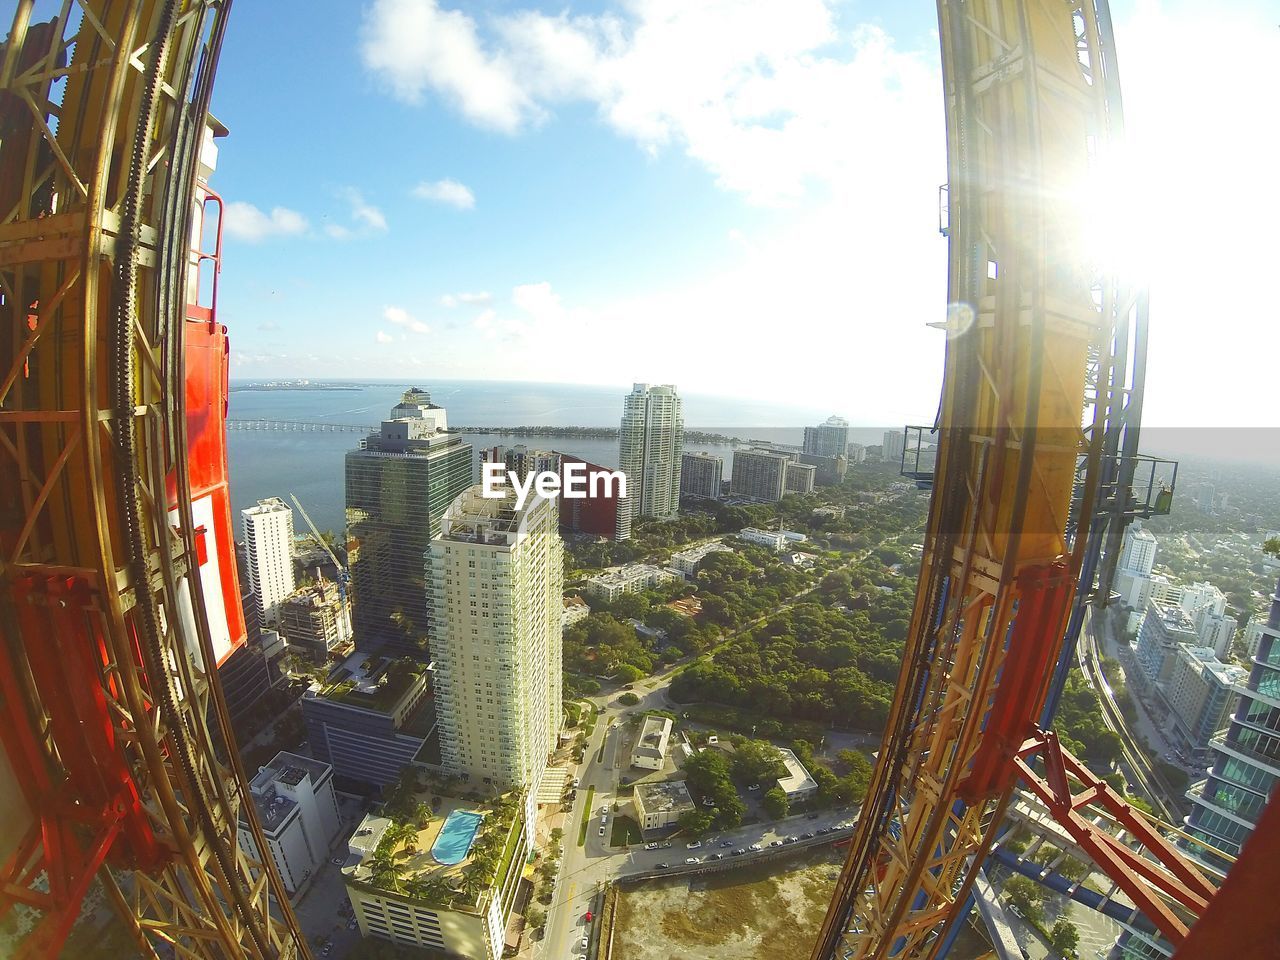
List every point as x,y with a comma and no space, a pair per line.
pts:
118,596
344,575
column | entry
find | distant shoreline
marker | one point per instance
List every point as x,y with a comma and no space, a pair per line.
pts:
594,433
278,387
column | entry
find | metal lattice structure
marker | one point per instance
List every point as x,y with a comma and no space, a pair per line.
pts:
113,718
1037,438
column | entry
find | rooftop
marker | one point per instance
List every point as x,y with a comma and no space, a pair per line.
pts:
797,778
376,683
664,795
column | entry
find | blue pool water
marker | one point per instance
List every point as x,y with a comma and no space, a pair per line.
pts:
455,837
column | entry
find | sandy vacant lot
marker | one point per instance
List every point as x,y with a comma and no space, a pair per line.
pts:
761,913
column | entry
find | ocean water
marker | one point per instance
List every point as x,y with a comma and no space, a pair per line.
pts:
310,465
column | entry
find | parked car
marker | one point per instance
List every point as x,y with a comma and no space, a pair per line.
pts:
737,853
588,917
665,844
604,819
651,846
810,835
602,831
726,843
694,844
754,846
716,856
690,859
708,802
754,786
338,860
605,808
663,866
775,843
576,781
790,839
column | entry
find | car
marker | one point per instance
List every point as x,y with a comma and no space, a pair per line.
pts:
790,839
754,846
576,782
586,942
811,816
328,948
708,802
588,917
711,739
604,819
737,853
339,860
726,843
351,924
694,844
716,856
663,866
825,829
665,844
810,835
775,843
690,859
602,831
754,786
605,808
651,846
1013,908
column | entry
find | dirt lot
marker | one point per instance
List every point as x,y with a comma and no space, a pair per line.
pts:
760,913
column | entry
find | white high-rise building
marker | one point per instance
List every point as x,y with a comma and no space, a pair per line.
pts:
650,445
893,446
1138,555
495,579
299,815
268,541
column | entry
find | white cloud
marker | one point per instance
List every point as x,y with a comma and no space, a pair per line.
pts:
783,98
383,337
246,222
362,212
413,46
446,191
337,231
471,299
538,300
401,318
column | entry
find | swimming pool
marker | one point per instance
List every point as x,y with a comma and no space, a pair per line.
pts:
455,838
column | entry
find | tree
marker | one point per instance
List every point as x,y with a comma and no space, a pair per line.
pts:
627,673
776,803
1064,937
535,917
1026,895
628,699
695,822
756,760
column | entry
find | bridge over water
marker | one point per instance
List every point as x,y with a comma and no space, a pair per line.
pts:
300,426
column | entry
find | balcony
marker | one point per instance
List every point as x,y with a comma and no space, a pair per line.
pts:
1269,763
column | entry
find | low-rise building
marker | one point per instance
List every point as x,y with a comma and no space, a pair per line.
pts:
688,606
575,609
632,578
458,882
798,785
375,717
650,750
661,804
686,562
299,815
775,540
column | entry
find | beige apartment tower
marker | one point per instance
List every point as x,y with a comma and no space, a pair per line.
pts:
495,582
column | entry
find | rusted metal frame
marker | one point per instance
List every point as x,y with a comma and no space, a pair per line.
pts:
46,488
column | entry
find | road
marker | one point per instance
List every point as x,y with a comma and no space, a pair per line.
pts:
585,870
1152,783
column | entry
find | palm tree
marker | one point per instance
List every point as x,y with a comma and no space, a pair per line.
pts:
386,871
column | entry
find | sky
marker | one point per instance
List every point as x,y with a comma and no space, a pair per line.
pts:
740,198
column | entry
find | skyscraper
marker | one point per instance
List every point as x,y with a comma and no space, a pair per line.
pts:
829,439
495,579
399,484
268,542
701,475
893,446
759,475
650,444
1246,758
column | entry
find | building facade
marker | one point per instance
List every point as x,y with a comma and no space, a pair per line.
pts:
317,619
1201,691
495,578
661,804
650,749
800,477
650,448
1163,629
398,486
1246,757
602,513
828,471
829,439
686,562
701,475
892,446
371,722
632,578
268,542
759,475
299,815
